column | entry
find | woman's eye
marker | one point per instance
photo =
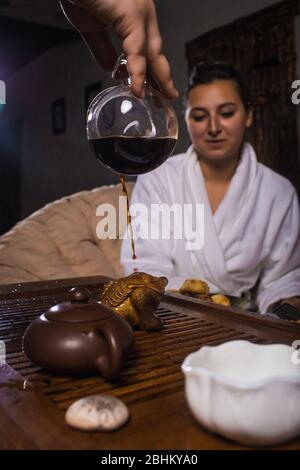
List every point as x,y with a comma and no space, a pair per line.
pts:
198,118
227,114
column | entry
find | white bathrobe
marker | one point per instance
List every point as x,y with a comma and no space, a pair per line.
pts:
253,238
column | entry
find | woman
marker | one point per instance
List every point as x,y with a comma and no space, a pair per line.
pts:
251,214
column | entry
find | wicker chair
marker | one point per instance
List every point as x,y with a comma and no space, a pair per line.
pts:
60,240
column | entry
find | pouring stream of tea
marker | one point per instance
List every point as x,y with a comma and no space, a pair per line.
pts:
129,224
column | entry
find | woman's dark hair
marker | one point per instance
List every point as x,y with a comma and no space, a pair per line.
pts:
204,73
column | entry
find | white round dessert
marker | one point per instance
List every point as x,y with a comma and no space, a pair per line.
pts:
97,413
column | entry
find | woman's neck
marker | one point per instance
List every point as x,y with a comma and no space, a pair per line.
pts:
218,172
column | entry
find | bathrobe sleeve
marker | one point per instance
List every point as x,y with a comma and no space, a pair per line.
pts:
280,275
153,255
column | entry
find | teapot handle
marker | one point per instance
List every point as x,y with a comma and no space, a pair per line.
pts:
110,366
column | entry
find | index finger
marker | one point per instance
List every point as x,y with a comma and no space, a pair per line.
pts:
158,63
134,48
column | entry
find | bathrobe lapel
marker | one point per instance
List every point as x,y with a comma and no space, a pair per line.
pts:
218,227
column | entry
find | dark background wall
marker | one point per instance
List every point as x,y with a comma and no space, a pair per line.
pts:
45,61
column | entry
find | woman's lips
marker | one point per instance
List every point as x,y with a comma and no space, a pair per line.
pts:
215,143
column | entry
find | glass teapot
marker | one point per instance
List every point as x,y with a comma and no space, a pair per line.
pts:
131,135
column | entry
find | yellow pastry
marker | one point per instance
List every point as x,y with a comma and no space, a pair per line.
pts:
194,286
221,300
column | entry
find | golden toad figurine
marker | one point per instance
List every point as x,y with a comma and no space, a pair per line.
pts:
136,298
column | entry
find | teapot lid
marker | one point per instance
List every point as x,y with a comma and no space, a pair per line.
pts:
78,309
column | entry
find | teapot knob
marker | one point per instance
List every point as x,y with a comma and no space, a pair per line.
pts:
79,294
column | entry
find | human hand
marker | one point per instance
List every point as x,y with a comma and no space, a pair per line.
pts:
135,22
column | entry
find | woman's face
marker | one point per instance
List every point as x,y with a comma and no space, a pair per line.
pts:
216,120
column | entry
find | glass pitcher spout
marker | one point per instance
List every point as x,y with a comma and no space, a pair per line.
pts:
120,71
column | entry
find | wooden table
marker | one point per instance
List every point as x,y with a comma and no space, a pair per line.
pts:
32,402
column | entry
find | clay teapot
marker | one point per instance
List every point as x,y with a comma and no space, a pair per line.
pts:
79,337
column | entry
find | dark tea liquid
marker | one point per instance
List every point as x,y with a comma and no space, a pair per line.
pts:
129,224
133,155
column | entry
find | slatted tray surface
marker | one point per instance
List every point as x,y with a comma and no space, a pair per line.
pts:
151,384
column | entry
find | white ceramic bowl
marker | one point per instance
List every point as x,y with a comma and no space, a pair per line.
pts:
247,392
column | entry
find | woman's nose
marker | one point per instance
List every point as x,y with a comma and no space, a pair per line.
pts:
214,127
